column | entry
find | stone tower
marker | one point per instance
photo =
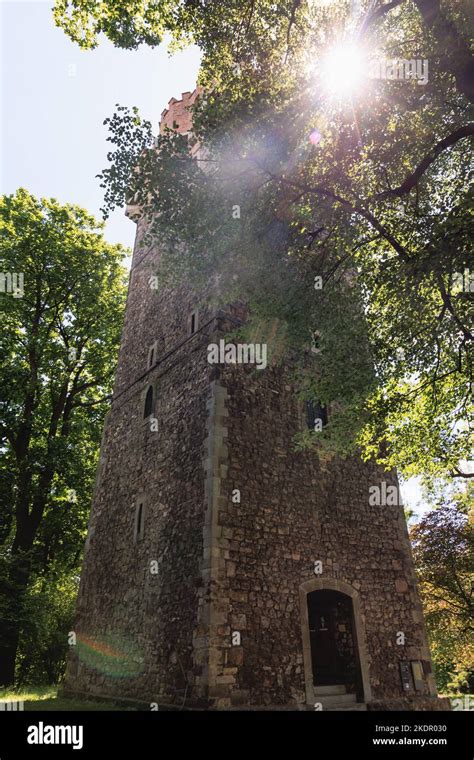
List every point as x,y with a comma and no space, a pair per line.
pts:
222,568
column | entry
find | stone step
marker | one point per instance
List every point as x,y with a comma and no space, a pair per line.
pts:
339,705
338,699
320,691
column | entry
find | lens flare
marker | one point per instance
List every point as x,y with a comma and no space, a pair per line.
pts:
110,654
343,70
315,137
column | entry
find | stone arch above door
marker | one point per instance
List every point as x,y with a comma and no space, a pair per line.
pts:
332,584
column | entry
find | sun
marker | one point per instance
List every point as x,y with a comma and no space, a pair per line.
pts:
343,70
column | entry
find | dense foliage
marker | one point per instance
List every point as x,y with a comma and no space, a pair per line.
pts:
443,547
346,212
59,342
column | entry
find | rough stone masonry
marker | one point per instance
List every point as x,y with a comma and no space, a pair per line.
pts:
212,541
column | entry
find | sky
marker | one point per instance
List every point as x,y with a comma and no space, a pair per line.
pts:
54,99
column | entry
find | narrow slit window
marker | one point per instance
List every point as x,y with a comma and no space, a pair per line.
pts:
315,342
193,323
152,355
140,521
148,408
316,415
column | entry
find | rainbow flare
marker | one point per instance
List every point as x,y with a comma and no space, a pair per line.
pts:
110,654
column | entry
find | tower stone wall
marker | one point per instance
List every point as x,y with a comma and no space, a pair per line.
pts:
203,601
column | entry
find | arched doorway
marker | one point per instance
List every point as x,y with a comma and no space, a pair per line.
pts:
331,634
334,650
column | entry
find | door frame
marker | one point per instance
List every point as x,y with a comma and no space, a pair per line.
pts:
330,584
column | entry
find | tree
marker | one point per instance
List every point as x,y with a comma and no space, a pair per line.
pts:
443,550
371,192
59,340
232,32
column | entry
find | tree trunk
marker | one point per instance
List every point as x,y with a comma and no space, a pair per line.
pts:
12,597
453,48
8,651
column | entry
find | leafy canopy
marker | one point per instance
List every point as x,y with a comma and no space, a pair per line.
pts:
371,191
59,342
443,543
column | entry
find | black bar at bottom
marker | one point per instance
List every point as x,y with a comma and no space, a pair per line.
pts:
163,734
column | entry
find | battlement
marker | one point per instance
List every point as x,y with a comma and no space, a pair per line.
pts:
178,112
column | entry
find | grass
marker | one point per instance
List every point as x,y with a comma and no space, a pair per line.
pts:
460,701
37,698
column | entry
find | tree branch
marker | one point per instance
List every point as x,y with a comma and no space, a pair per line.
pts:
294,8
379,12
458,474
356,208
412,179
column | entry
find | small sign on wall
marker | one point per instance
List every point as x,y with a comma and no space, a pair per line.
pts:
417,672
405,675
